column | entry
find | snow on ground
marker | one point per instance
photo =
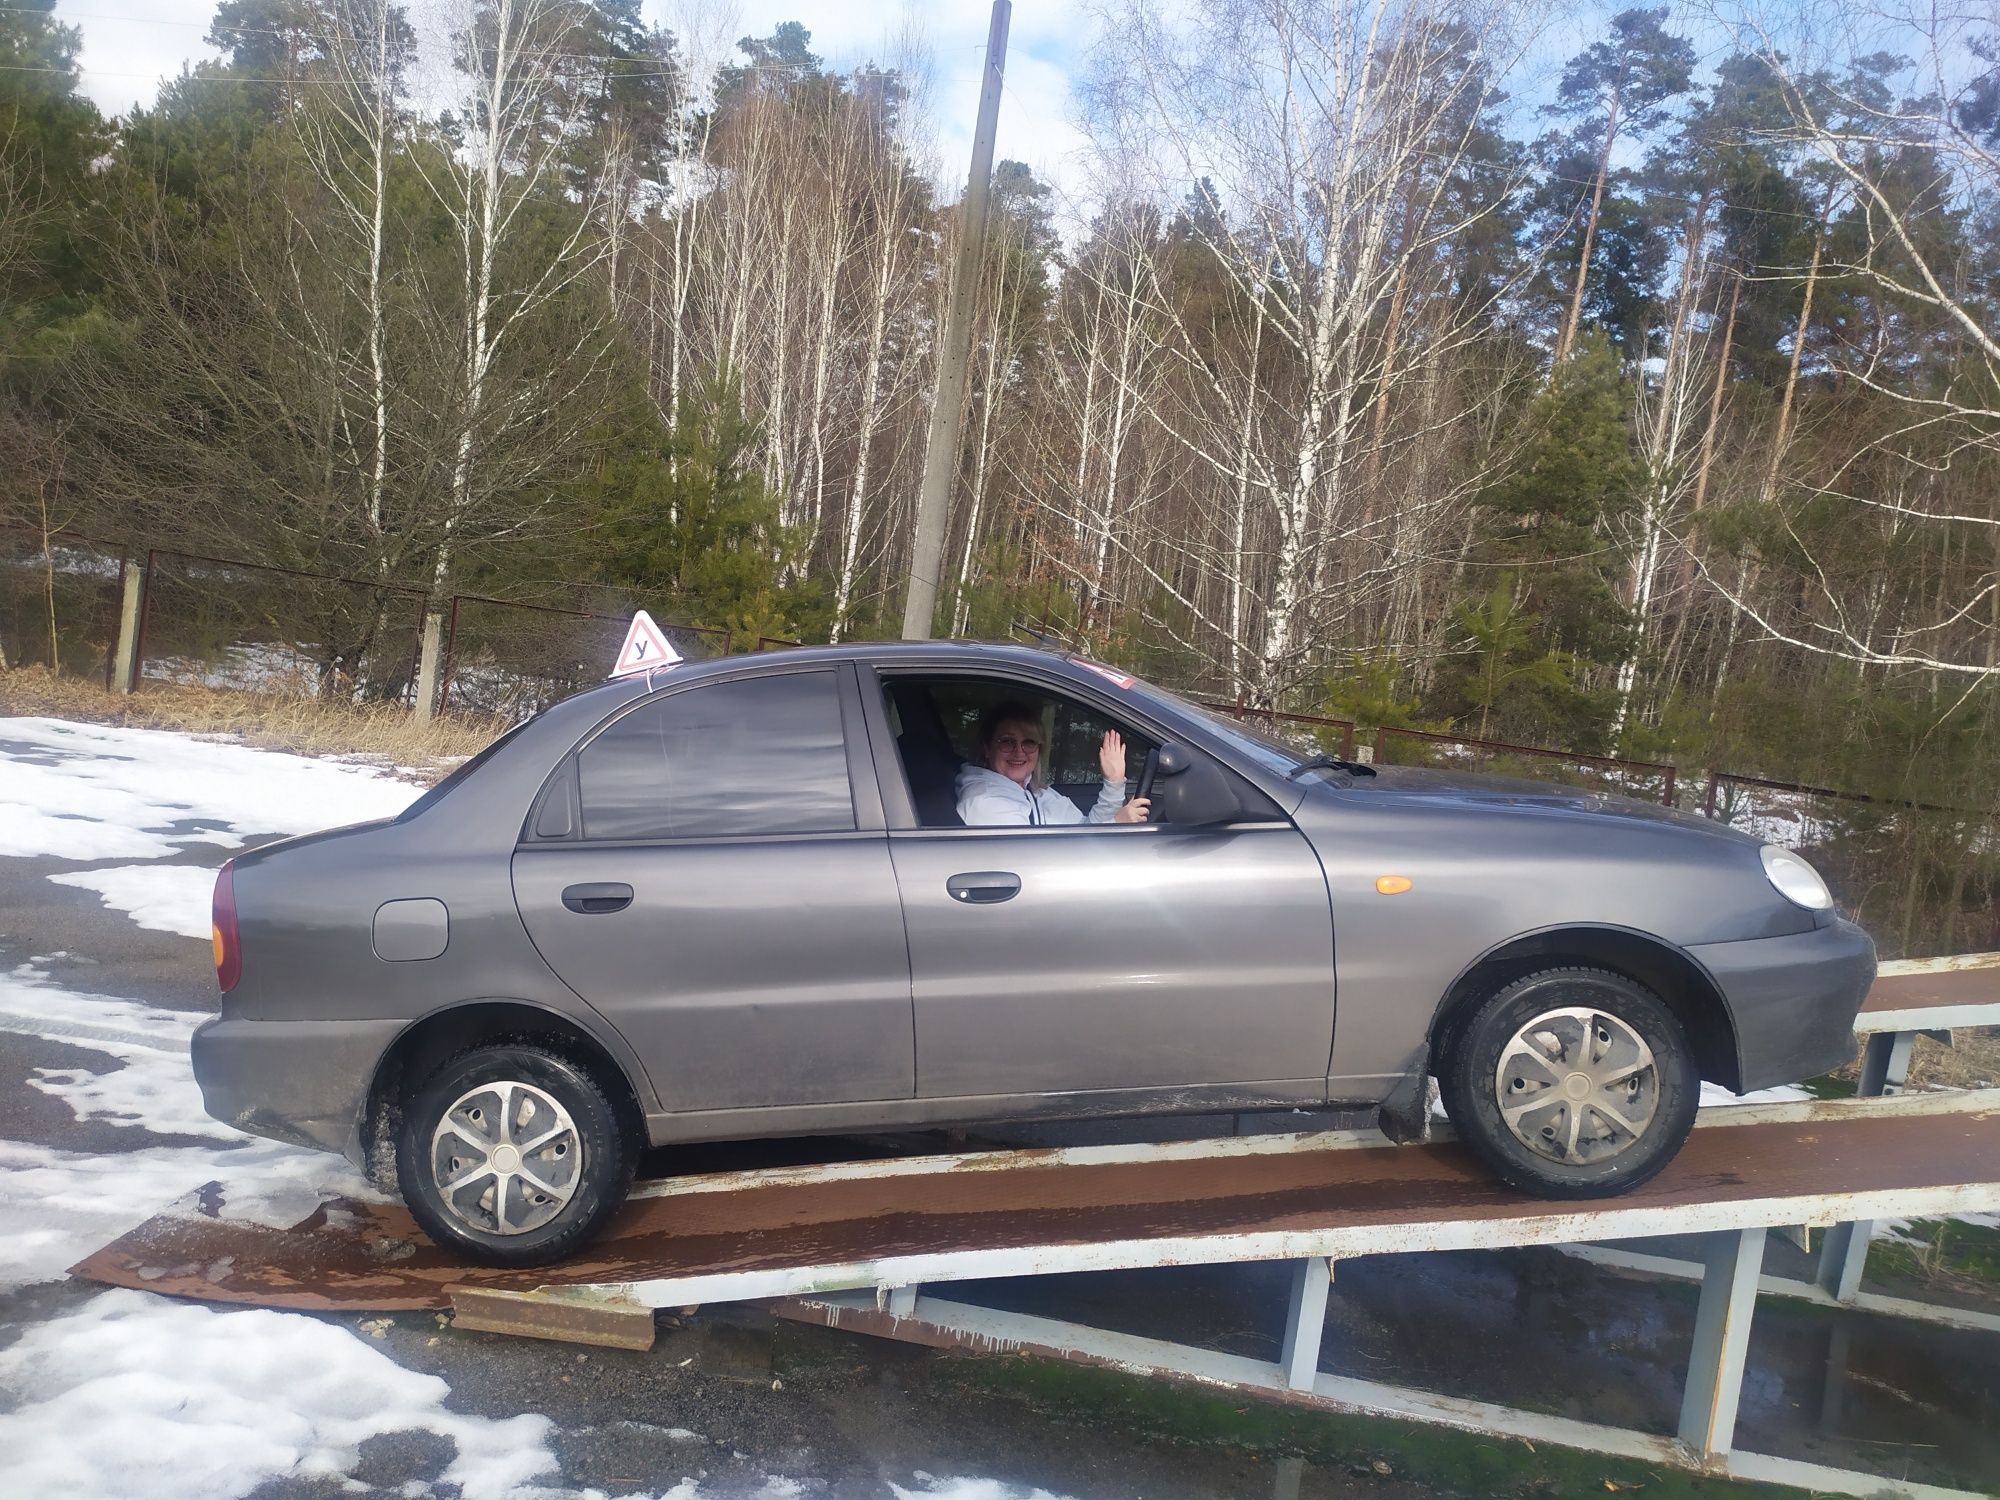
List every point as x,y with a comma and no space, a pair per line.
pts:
155,1089
182,1400
1714,1094
166,898
65,1204
93,791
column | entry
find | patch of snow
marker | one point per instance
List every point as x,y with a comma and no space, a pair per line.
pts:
178,1399
70,1203
258,667
166,898
94,791
154,1090
965,1489
1713,1094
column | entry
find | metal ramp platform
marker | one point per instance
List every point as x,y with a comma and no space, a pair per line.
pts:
851,1244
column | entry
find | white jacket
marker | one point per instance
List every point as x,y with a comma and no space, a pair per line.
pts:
987,799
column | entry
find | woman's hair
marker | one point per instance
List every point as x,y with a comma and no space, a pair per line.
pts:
1008,711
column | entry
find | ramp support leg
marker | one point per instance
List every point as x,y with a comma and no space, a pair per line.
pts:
1721,1339
897,1301
1305,1321
1843,1251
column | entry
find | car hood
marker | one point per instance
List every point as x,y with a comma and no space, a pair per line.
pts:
1421,784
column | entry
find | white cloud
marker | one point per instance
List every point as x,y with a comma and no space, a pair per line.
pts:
129,46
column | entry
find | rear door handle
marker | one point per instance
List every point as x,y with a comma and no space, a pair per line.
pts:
983,887
598,896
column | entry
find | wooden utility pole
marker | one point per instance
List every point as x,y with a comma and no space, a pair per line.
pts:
941,444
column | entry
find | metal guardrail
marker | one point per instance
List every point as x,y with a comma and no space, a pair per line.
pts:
1240,710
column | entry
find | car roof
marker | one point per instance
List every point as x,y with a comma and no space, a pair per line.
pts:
944,654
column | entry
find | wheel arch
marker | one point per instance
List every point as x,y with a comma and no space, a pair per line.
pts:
1673,974
426,1042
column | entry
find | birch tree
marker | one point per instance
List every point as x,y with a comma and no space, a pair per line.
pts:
524,84
1911,144
1318,123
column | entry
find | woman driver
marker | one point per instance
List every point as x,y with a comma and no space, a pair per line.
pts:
1002,790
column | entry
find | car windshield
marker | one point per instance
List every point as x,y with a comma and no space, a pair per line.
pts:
1272,747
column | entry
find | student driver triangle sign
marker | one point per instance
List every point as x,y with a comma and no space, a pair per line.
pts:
645,648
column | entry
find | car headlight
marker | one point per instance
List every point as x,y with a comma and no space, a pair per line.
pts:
1796,880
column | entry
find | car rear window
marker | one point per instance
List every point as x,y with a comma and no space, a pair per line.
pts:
759,755
464,769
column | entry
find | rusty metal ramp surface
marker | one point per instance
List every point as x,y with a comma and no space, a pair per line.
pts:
1933,994
897,1223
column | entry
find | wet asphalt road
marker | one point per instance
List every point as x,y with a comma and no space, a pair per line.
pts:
731,1397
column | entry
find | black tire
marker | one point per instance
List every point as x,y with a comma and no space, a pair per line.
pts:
1602,1159
592,1159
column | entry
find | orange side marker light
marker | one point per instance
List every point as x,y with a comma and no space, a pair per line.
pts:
1392,885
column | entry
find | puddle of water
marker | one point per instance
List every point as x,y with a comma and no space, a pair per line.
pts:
1537,1330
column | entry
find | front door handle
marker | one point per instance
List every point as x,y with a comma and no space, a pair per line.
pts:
597,896
983,887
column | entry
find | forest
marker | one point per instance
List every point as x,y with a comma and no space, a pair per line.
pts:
1628,387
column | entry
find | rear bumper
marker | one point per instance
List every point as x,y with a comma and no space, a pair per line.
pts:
302,1082
1793,1000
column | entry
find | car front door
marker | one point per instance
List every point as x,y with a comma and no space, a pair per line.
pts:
715,880
1079,959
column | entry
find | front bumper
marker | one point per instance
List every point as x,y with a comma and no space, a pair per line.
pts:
302,1082
1793,1000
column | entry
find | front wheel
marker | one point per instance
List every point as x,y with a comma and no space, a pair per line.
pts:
512,1154
1571,1083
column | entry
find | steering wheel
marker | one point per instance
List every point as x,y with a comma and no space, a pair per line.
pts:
1148,772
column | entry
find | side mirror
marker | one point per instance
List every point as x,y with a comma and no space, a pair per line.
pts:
1188,789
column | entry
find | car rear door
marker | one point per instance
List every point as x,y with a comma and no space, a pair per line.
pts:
1114,956
714,878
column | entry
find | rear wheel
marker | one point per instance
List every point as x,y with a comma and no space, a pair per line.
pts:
1571,1083
512,1154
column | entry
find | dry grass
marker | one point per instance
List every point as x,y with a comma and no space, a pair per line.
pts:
1971,1062
306,726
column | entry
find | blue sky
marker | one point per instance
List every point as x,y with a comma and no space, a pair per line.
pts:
129,45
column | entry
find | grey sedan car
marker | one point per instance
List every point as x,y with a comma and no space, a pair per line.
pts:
737,899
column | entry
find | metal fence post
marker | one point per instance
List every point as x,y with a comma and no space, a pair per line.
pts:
450,656
1843,1250
1721,1340
1305,1322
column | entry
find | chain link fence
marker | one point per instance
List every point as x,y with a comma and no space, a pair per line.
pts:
512,659
59,598
1652,781
261,629
1923,879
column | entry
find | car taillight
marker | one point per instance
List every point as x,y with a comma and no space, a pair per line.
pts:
228,950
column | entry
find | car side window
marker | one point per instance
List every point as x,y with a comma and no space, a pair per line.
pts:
937,722
758,755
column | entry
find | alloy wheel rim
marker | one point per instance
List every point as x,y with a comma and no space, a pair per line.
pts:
1577,1086
506,1158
